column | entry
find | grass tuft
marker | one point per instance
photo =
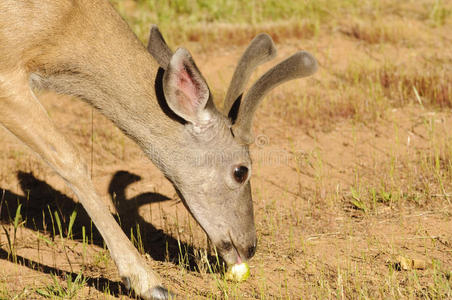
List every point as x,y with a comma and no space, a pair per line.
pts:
69,290
407,84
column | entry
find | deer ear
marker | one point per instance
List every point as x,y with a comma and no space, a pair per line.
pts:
186,91
158,48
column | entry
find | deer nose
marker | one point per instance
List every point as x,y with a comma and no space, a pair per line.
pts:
226,245
251,251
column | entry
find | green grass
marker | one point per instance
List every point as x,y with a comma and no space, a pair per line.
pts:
69,290
12,237
196,20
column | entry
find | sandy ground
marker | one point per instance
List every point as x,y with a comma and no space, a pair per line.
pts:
312,238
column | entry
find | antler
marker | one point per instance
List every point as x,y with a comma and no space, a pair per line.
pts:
299,65
260,50
158,47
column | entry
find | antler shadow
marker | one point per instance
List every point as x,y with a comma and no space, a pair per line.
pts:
41,200
158,244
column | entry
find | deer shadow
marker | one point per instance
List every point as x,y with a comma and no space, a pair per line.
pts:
41,202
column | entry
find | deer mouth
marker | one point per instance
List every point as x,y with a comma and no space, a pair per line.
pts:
230,252
235,249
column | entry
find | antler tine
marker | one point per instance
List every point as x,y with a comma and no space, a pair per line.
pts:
299,65
158,47
260,50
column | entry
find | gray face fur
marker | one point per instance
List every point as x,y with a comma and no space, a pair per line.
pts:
218,201
211,167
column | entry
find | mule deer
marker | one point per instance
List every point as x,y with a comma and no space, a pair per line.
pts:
158,98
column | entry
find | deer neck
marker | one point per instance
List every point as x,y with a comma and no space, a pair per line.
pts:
121,84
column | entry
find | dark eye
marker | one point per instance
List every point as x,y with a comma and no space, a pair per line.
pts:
240,174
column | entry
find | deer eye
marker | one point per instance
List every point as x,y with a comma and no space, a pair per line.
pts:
240,174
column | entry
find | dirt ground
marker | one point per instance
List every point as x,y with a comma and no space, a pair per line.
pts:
349,209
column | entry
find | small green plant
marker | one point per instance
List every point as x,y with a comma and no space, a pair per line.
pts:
6,294
439,13
71,224
101,259
17,222
85,244
136,239
57,290
60,230
356,200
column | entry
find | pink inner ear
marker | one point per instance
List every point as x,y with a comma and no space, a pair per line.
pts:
189,88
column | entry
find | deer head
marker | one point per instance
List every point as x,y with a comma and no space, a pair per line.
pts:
211,167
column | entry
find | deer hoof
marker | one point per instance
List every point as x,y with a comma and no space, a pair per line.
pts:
161,293
158,292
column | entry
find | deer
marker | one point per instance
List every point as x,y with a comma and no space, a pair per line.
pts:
158,98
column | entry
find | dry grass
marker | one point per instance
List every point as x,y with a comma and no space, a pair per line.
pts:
377,32
404,84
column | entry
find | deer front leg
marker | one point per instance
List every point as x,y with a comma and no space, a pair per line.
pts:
22,114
